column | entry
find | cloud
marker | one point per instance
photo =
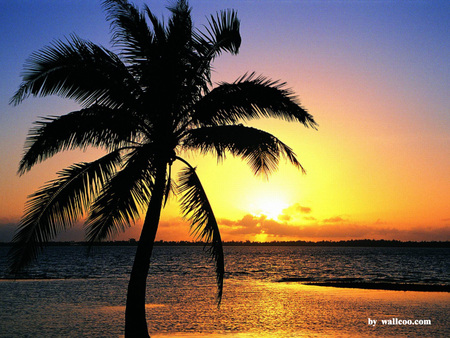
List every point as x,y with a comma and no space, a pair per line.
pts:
336,219
334,228
297,209
284,217
293,211
251,227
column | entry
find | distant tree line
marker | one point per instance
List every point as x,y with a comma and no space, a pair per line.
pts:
347,243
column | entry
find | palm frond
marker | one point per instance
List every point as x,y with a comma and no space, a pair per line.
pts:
180,24
79,70
222,34
171,186
129,28
57,206
247,98
122,198
159,30
94,126
197,209
260,149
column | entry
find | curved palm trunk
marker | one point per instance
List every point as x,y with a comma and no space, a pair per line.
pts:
135,321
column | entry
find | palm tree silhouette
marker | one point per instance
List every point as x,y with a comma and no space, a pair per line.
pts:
145,106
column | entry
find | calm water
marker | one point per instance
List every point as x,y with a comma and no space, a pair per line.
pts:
69,294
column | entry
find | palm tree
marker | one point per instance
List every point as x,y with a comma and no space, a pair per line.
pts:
145,107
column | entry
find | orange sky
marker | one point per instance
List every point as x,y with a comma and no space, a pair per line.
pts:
377,167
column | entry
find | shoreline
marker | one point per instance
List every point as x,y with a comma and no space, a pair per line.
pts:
335,284
384,286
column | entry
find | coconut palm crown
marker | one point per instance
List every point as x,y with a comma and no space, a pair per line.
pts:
145,106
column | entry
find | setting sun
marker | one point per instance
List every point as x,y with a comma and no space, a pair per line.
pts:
271,206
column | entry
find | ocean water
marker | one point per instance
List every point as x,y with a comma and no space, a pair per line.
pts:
67,293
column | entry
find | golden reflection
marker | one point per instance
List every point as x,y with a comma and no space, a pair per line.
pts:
291,309
121,308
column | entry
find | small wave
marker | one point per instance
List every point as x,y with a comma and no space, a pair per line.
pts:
238,273
46,279
31,279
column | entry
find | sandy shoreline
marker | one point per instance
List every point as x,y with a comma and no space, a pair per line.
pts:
336,284
384,286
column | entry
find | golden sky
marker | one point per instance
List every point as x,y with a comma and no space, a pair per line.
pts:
375,75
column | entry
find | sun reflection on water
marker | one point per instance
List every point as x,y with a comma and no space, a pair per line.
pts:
265,309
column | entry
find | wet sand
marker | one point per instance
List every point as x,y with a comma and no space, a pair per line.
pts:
384,286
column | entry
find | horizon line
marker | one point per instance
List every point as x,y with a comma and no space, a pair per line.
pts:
351,242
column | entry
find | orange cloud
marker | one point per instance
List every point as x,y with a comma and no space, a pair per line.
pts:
297,209
336,219
284,217
334,228
253,228
293,211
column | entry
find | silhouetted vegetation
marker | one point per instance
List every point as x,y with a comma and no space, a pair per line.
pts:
347,243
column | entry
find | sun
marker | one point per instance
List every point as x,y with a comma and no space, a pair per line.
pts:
269,206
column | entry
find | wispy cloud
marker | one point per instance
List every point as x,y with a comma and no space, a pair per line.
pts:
297,209
294,211
336,219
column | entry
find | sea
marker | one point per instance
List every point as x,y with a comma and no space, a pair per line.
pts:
269,291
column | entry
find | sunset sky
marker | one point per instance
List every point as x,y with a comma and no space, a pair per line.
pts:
374,74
